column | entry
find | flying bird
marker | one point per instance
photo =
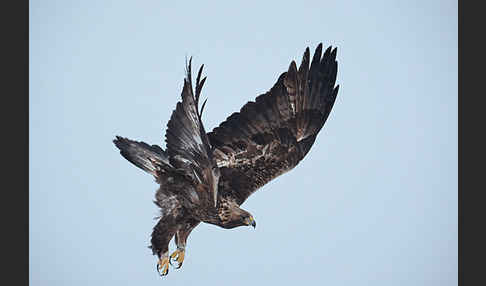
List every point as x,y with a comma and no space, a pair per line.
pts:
206,176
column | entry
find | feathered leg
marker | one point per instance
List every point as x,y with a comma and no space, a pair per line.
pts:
161,236
177,257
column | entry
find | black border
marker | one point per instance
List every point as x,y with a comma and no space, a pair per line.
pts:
15,146
460,105
471,187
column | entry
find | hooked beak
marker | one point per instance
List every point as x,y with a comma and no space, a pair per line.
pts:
252,222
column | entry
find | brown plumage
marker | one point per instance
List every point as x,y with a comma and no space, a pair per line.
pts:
205,177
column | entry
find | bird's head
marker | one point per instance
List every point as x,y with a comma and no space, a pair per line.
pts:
233,216
241,219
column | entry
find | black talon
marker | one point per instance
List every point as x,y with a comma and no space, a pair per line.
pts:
162,274
158,267
173,265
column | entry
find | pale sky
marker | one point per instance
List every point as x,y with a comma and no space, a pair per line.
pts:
373,203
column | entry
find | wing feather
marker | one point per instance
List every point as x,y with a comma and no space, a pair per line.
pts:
150,158
187,142
271,135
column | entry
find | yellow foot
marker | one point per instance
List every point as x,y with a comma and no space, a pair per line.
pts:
163,265
177,258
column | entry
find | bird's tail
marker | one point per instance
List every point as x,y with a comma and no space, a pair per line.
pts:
150,158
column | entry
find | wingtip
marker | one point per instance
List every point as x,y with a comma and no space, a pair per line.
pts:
327,52
188,70
334,53
307,52
336,89
202,107
304,64
292,67
317,54
199,73
119,142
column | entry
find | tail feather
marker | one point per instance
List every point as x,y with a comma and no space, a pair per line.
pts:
150,158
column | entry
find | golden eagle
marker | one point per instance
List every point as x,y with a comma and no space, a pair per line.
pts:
205,177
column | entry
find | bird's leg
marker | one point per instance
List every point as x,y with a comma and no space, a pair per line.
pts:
177,257
163,264
161,236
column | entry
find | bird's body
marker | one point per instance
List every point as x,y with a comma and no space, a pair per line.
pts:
205,177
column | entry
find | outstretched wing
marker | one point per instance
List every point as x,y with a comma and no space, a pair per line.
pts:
272,135
187,143
150,158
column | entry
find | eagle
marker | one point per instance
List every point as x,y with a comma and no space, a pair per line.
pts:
206,176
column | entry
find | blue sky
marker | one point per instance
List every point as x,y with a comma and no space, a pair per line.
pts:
373,203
